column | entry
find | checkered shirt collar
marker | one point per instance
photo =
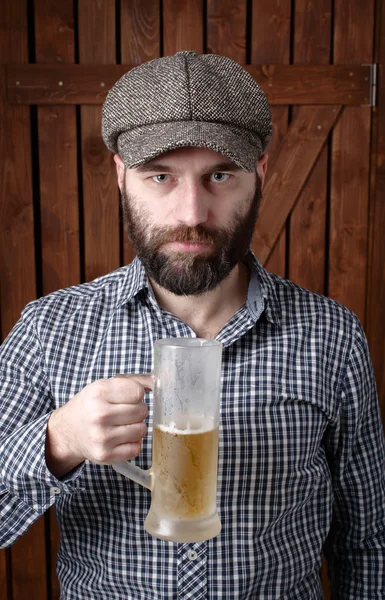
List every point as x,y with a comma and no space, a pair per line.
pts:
261,289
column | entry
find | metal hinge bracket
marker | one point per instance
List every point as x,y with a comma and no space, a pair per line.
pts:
372,84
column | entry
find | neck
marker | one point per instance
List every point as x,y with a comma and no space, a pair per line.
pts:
207,313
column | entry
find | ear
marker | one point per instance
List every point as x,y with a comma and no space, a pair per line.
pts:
119,170
262,167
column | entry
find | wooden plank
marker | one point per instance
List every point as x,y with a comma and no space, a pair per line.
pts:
17,264
226,28
54,547
139,31
3,575
283,84
182,26
349,211
54,33
100,192
54,535
308,220
353,41
58,197
271,22
312,43
270,43
308,230
353,31
375,314
297,154
140,42
29,570
312,32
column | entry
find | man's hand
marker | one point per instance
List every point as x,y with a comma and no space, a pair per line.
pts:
103,423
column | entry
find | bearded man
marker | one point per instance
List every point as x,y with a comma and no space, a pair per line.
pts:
301,461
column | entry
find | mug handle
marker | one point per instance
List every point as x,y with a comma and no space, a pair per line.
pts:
132,471
135,473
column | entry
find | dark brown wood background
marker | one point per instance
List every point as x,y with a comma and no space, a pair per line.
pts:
323,221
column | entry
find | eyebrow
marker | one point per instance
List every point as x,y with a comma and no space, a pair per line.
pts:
163,168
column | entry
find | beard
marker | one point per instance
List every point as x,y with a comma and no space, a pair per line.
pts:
188,273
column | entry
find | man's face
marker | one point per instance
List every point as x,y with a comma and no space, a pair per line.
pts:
190,215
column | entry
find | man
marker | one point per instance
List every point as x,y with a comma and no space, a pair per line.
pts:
301,461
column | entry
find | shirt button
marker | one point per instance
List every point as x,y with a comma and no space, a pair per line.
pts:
55,490
192,555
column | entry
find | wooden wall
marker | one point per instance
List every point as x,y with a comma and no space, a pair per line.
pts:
323,220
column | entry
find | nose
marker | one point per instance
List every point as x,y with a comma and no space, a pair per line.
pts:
192,204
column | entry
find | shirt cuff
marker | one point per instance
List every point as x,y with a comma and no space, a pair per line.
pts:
24,470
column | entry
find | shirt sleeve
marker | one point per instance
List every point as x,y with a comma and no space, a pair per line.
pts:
356,546
27,487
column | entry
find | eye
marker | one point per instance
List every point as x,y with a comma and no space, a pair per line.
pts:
161,178
219,177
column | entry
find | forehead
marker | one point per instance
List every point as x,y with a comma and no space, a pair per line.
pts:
190,158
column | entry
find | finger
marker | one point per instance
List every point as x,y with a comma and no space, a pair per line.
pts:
120,414
119,453
125,434
124,390
126,452
147,381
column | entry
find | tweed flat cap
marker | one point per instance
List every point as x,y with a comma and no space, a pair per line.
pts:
187,99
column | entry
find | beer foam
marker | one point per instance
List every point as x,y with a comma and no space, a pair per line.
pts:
191,427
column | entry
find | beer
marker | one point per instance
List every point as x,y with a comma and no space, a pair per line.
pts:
184,471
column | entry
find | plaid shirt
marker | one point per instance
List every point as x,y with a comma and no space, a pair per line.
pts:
301,457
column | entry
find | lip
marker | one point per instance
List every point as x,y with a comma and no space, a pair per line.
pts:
188,246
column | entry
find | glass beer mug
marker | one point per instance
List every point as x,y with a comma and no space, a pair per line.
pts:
183,475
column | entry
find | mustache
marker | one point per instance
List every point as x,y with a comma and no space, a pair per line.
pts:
183,233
